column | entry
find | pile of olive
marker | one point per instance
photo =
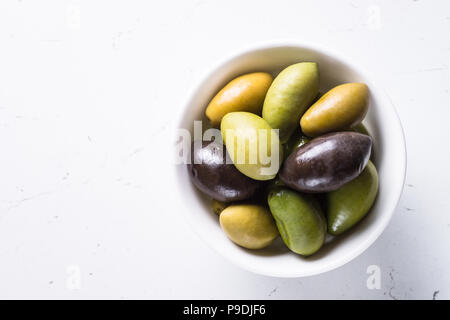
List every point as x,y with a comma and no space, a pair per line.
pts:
324,179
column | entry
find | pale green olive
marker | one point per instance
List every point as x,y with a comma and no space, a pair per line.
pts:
290,94
248,225
253,146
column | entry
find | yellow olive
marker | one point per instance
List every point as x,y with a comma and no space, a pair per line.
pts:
342,107
248,225
245,93
253,146
218,206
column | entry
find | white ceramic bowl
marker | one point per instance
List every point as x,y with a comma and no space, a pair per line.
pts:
389,151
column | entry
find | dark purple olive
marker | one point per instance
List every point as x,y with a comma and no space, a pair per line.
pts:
212,172
326,163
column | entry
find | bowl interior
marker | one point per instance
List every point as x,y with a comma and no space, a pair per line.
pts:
389,158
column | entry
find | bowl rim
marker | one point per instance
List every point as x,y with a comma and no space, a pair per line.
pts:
372,82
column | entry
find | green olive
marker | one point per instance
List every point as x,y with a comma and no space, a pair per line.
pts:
342,107
347,205
361,128
218,206
290,94
299,219
248,225
271,185
296,140
253,146
244,93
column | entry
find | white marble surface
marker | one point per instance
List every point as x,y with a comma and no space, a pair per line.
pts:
88,92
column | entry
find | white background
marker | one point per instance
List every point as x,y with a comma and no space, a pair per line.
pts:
89,91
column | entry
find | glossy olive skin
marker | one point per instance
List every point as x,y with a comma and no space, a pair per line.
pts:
248,225
326,163
218,206
242,133
296,140
290,94
361,128
342,107
213,173
299,219
346,206
244,93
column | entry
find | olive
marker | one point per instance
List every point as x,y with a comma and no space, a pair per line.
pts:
290,94
271,185
361,128
248,225
218,206
213,173
252,144
342,107
347,205
326,163
299,219
296,140
244,93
